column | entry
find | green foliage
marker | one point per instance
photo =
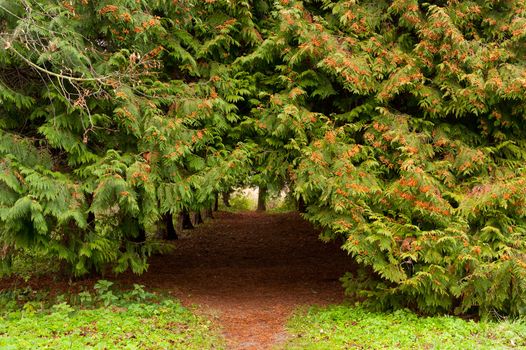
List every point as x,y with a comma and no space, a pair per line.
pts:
104,127
134,320
282,206
399,123
239,201
282,203
345,327
29,264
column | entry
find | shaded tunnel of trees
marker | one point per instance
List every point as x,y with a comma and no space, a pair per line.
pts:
397,127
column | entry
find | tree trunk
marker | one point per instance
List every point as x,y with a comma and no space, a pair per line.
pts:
91,216
302,207
140,237
198,219
170,233
262,197
186,222
216,202
226,199
208,213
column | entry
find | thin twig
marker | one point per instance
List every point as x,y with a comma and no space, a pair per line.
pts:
8,46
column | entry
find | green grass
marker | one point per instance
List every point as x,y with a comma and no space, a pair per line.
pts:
104,320
346,327
239,202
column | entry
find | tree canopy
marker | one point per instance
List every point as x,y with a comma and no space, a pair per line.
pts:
399,123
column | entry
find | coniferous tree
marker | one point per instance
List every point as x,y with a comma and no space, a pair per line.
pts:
397,123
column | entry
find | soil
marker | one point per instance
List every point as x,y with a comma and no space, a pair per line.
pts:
249,272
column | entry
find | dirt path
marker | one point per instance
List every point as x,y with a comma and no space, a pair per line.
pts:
250,271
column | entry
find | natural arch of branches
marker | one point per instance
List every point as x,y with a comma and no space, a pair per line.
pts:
396,125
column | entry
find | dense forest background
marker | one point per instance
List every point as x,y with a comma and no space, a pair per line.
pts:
399,125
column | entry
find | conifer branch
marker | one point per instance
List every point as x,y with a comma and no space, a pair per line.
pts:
8,46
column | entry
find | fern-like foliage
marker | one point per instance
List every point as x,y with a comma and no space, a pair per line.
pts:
399,123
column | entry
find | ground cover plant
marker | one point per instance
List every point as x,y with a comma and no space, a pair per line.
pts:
354,327
101,319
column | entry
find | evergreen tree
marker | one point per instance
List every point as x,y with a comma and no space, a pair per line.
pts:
113,115
398,125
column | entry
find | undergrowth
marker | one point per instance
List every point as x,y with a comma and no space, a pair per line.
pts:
102,318
347,327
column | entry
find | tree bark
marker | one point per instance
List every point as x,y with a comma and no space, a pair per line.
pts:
262,197
198,219
91,216
226,199
302,207
170,233
208,213
216,202
186,222
140,236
